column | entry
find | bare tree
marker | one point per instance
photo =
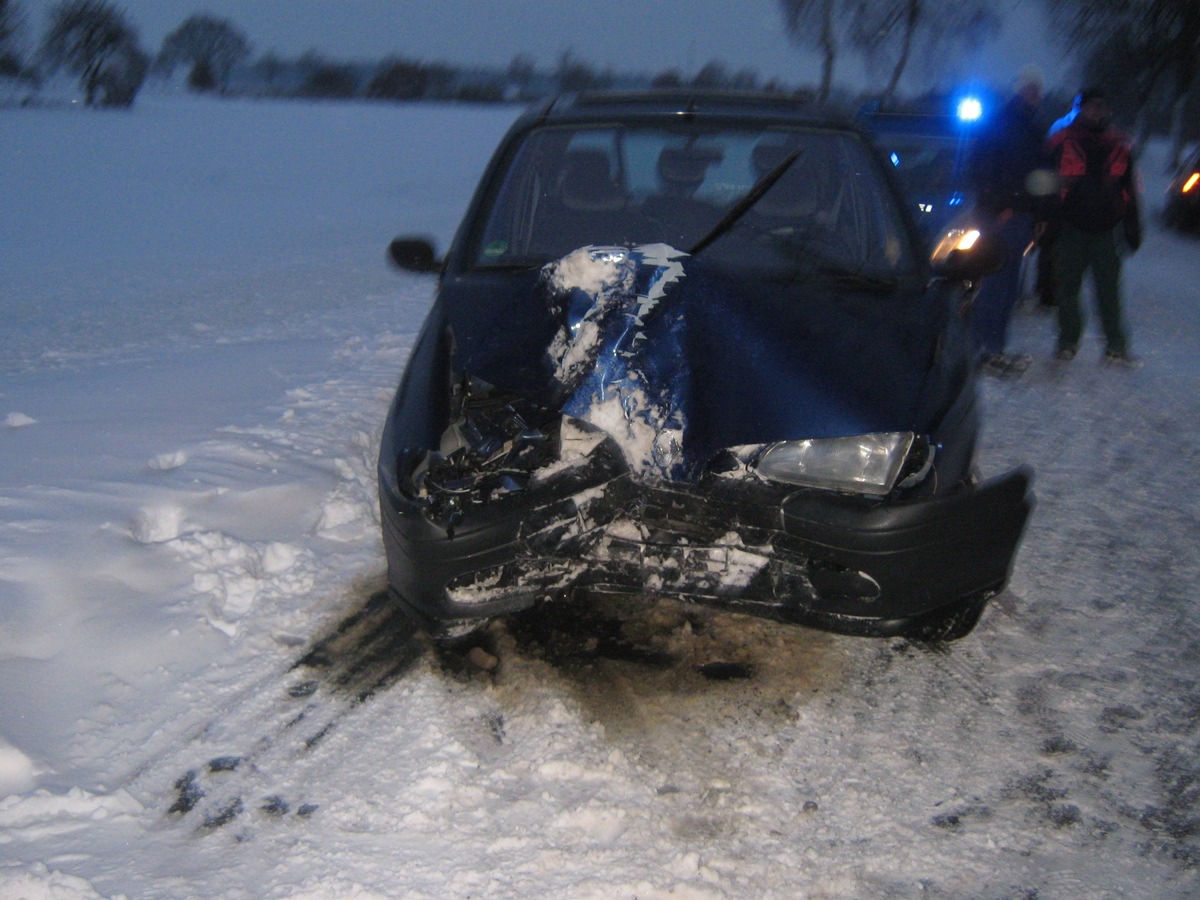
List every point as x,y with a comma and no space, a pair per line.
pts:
212,46
893,30
12,23
269,68
520,73
814,23
573,74
744,80
398,79
961,28
879,27
92,40
325,80
670,78
1160,42
712,74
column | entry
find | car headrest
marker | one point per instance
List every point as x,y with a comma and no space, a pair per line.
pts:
685,165
767,156
585,184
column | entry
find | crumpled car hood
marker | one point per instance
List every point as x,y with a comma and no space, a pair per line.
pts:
678,359
619,358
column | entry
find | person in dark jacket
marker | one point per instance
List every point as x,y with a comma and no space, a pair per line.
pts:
1045,286
1097,213
1007,152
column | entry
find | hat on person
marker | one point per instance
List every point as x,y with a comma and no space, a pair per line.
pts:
1091,93
1029,76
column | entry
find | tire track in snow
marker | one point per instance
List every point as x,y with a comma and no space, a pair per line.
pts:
235,763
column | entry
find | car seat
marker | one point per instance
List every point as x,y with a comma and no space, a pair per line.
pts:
587,205
678,217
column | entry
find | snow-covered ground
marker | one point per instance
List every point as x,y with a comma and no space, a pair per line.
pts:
199,340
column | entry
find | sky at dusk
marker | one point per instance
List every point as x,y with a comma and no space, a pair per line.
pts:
621,35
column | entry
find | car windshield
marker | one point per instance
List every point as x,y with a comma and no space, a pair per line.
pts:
926,165
930,164
829,209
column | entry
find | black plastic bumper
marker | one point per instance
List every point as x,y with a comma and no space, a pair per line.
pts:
832,562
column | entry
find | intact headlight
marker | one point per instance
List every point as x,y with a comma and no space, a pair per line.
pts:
961,239
862,463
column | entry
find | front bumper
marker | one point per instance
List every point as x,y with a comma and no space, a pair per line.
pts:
839,563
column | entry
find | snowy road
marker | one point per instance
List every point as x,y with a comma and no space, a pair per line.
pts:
189,554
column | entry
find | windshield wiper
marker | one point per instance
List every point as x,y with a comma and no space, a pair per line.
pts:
751,197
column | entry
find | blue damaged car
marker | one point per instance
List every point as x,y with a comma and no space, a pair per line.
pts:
689,345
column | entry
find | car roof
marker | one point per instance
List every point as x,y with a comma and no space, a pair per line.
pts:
696,104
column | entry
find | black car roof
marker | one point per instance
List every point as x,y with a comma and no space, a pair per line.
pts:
657,104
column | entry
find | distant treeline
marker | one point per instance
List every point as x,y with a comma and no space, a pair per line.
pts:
1151,74
400,79
93,42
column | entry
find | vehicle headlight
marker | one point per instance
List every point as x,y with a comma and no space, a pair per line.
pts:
862,463
961,239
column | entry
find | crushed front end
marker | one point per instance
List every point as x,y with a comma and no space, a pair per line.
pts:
522,501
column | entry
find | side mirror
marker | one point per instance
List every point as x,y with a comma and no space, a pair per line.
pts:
966,254
414,255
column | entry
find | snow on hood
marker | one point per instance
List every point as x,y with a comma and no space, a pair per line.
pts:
617,357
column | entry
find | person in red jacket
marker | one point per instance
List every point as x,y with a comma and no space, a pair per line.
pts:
1097,212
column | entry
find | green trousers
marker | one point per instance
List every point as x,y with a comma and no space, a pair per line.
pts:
1075,252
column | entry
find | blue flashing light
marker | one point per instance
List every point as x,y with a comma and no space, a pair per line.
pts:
970,109
895,159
